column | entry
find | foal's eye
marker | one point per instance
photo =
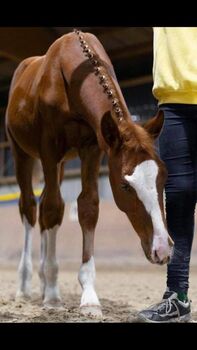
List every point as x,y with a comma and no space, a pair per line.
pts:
125,186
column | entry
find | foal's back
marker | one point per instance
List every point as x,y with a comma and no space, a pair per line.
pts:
43,96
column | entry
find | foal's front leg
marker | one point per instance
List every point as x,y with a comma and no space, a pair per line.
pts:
51,214
88,215
27,207
50,287
25,268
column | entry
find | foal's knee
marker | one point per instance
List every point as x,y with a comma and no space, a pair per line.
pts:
27,208
88,208
51,213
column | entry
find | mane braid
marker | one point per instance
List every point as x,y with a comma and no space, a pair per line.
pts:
134,136
107,89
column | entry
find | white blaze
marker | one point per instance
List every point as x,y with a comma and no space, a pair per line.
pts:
143,180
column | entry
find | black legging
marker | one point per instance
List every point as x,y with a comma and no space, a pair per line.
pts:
178,149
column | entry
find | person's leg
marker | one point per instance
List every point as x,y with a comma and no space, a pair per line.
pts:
178,149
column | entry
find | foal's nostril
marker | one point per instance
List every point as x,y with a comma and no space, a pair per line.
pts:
159,261
168,260
156,257
170,242
164,261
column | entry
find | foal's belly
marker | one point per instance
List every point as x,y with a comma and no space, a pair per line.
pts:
72,153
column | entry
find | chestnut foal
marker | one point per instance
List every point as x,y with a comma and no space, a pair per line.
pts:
68,103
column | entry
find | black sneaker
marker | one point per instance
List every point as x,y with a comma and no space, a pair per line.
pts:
170,309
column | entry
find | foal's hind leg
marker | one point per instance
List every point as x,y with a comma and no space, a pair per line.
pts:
27,207
88,208
51,214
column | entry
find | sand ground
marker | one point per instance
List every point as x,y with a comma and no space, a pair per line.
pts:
122,292
126,282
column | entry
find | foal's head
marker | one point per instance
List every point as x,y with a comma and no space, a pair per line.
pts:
137,177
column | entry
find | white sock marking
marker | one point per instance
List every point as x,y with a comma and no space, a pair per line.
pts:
43,254
143,180
51,267
87,275
25,266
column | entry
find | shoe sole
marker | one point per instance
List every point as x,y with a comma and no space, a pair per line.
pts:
183,319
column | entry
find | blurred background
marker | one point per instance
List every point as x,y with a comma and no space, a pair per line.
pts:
130,50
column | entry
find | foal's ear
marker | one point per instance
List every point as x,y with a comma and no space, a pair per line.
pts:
154,125
110,131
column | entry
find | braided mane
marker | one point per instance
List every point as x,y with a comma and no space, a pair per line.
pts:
107,88
133,136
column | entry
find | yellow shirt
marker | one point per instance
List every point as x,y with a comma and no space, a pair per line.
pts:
175,65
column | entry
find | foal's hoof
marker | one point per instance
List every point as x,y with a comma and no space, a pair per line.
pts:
91,311
53,304
22,296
